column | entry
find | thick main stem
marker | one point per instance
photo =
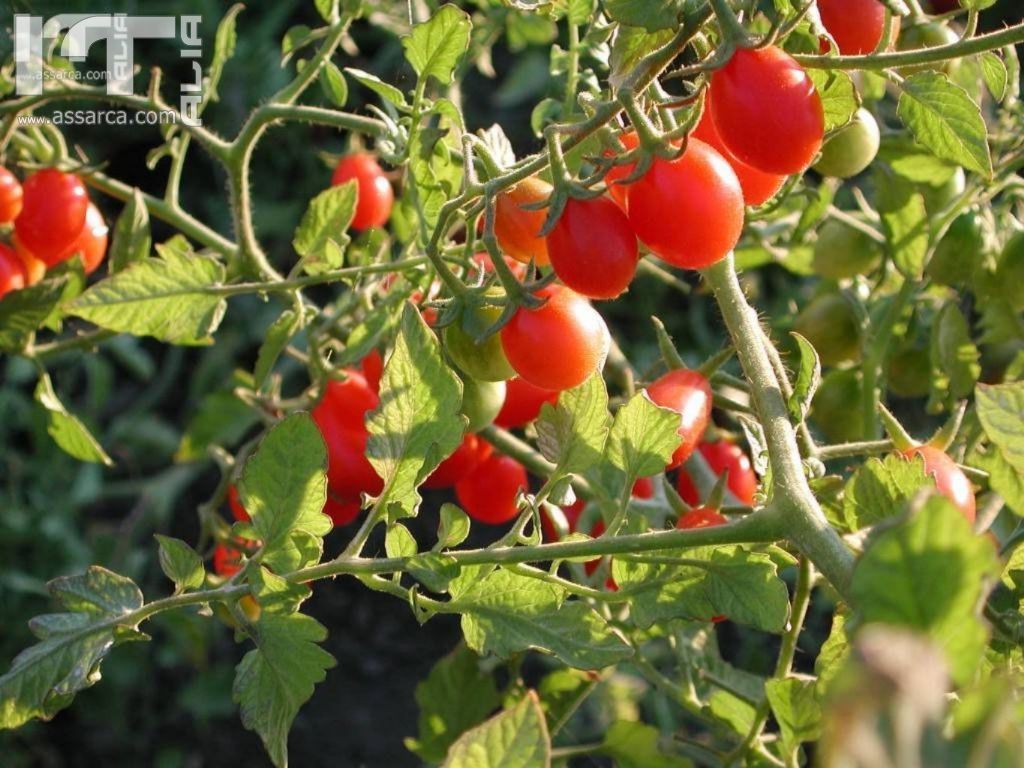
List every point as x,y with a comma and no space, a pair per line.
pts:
804,522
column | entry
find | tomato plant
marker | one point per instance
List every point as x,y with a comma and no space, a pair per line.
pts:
486,439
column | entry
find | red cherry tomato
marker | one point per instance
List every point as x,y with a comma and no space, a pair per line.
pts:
689,394
517,229
488,494
52,214
341,511
758,187
35,270
340,415
523,402
689,212
855,25
10,196
616,173
227,561
473,452
349,400
372,367
375,194
950,480
767,110
12,274
721,456
558,345
701,517
593,249
235,504
91,242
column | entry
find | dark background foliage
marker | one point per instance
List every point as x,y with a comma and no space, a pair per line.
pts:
168,703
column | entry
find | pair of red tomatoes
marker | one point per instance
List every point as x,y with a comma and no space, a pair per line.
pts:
53,220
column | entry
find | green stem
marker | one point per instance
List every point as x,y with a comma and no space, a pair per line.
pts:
980,44
805,523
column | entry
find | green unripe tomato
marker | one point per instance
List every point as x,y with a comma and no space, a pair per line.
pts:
1010,271
852,148
931,34
956,254
481,401
834,409
830,324
485,361
842,251
908,372
937,198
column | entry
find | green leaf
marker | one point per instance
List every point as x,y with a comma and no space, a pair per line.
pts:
631,44
707,582
945,119
398,542
833,653
385,90
23,312
796,708
652,15
66,430
276,678
332,83
515,738
321,238
181,564
1003,478
643,437
999,409
808,377
927,573
954,358
505,613
453,527
326,9
456,695
572,435
434,570
435,47
417,423
993,71
44,678
165,298
881,488
906,225
284,484
223,49
296,38
636,745
131,241
838,96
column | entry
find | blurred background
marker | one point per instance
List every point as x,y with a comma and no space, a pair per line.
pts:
168,703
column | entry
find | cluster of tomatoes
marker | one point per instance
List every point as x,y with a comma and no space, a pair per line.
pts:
53,220
763,121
